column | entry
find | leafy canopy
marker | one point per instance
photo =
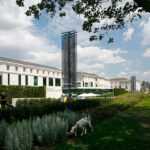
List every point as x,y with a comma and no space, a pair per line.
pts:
100,15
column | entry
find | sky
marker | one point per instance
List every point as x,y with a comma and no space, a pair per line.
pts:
39,41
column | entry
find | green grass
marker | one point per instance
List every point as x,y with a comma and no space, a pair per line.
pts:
129,130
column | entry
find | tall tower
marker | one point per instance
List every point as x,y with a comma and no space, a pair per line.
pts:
133,84
69,60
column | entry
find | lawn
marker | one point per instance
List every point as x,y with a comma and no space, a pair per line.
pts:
128,130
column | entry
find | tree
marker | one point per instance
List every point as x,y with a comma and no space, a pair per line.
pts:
100,16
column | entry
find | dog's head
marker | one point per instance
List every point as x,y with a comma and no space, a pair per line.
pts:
73,129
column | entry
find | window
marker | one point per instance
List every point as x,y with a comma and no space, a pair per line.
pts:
57,82
91,84
8,79
16,68
79,84
24,69
37,71
43,72
44,81
19,79
30,70
126,87
48,73
50,81
7,67
35,80
86,84
26,78
83,83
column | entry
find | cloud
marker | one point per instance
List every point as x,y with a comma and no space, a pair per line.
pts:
146,33
147,53
126,68
122,74
19,38
96,54
94,59
128,34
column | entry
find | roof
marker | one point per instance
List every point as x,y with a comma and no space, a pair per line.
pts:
119,79
90,74
26,63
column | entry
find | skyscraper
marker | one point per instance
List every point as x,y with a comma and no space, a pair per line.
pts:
133,84
69,59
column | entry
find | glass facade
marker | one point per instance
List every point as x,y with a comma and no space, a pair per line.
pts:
35,80
50,81
57,82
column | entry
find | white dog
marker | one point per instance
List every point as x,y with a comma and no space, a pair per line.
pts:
82,124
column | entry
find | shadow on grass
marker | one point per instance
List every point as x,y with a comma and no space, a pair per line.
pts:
129,130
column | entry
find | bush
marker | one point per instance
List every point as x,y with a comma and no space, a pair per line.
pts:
3,128
19,136
119,91
95,91
22,91
38,108
45,131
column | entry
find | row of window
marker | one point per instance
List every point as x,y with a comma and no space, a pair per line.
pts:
85,84
31,70
126,87
35,82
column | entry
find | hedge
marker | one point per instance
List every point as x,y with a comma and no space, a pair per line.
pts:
119,91
39,109
22,91
95,91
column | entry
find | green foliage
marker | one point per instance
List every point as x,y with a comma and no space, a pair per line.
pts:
39,108
95,91
45,131
128,130
119,91
19,136
3,128
114,12
22,91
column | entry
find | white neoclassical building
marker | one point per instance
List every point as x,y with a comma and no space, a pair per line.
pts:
124,83
16,72
92,81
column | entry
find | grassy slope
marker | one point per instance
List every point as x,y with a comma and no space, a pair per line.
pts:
129,130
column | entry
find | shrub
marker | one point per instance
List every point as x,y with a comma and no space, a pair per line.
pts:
19,136
22,91
49,129
95,91
39,109
119,91
45,131
3,128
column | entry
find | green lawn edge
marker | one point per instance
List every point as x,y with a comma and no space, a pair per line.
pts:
129,130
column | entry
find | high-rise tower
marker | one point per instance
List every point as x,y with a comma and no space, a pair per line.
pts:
69,59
